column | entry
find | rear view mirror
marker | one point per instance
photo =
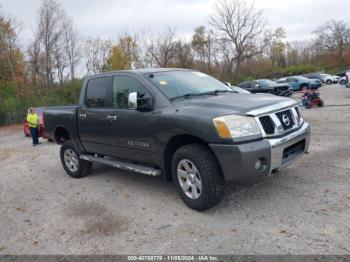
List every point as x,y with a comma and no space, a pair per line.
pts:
144,102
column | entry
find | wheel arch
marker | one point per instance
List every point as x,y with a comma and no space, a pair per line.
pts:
61,135
175,143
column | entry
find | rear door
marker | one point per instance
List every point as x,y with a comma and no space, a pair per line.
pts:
94,114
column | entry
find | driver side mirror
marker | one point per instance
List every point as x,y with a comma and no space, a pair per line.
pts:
141,102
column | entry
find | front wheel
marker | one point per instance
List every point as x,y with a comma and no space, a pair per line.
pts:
72,164
329,82
197,177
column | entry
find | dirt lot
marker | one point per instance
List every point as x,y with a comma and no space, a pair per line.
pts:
305,209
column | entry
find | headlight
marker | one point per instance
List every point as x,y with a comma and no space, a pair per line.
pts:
233,126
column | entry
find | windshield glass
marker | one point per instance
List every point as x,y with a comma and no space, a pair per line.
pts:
239,90
180,83
301,78
266,82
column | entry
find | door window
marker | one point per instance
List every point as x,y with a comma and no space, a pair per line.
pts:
122,87
96,92
245,84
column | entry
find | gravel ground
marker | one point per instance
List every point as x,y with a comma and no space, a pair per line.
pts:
305,209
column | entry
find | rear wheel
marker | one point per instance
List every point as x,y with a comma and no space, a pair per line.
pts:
320,103
197,177
342,82
72,164
303,88
307,103
329,82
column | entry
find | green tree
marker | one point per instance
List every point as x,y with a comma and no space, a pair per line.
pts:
124,55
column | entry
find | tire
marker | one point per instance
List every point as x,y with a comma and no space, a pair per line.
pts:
307,103
342,82
303,87
276,92
205,169
73,165
321,103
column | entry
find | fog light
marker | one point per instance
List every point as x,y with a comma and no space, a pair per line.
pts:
260,164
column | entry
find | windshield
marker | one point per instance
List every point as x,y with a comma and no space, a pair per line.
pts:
239,90
301,78
181,83
265,82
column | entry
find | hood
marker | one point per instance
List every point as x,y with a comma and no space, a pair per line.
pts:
314,80
228,103
279,85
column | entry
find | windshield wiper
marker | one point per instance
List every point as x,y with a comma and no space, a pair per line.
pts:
187,95
215,92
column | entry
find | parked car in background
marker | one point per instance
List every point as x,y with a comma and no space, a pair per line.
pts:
236,88
42,133
299,83
267,86
317,76
329,79
344,77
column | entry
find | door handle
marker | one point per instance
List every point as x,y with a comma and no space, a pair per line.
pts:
112,118
82,116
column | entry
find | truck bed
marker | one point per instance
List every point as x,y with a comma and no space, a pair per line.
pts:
60,116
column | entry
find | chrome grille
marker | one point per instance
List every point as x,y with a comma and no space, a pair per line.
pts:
286,119
277,123
267,124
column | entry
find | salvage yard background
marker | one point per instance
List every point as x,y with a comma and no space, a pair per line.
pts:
305,209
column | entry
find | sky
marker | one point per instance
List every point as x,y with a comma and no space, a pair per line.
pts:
111,18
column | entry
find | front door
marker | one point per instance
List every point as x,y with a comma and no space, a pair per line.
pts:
132,134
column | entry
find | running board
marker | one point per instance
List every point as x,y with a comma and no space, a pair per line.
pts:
123,165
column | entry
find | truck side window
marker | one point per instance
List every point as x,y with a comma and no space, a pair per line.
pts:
96,92
122,87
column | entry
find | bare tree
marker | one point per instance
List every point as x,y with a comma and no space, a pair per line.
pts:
240,26
60,61
9,30
51,19
333,37
96,52
184,56
71,46
275,47
162,49
205,48
35,60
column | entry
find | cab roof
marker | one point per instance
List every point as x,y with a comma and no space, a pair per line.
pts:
139,71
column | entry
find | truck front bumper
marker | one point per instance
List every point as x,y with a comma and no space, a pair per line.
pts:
251,162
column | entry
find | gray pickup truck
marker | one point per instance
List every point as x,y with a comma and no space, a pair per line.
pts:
182,124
